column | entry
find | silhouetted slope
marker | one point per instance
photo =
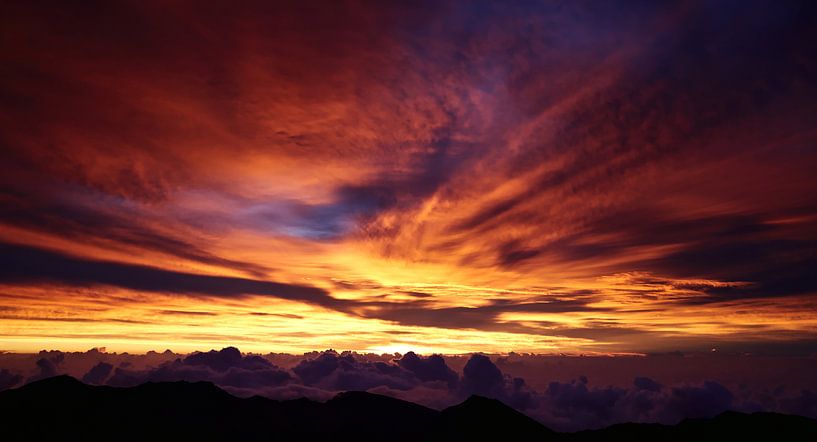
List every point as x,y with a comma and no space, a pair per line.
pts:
64,408
480,417
354,412
728,426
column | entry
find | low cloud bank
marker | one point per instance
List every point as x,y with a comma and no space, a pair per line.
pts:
428,380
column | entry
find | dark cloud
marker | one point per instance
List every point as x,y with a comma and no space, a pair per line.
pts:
186,313
227,368
332,371
480,376
312,371
46,367
23,264
575,405
9,379
706,400
746,246
225,359
432,368
110,231
644,383
451,317
418,294
98,374
575,400
775,267
482,317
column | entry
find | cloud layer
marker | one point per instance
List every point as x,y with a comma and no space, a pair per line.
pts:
574,403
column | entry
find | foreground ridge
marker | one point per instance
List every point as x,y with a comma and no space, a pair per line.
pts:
62,406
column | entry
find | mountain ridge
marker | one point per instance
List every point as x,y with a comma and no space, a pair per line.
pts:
63,406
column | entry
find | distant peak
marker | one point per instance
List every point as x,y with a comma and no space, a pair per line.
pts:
357,395
375,401
351,394
62,379
482,402
59,382
477,399
184,385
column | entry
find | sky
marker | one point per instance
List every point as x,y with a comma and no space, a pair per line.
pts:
443,177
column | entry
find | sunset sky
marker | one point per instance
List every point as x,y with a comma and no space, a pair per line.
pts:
545,177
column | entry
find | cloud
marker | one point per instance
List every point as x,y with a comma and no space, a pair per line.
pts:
226,368
705,400
313,370
775,267
480,376
586,406
574,405
412,377
117,230
429,380
9,379
319,377
562,405
431,368
23,264
47,366
224,359
644,383
483,317
343,372
98,374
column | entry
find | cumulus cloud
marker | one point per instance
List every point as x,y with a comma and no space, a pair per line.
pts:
226,368
644,383
695,401
432,368
480,376
575,401
47,366
333,371
574,405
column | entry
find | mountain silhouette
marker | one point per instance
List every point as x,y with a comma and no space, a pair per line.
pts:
479,417
728,426
62,407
